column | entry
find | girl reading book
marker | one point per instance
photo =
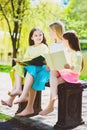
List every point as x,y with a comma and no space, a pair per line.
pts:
35,75
71,70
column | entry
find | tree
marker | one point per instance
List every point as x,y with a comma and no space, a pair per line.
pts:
14,12
75,17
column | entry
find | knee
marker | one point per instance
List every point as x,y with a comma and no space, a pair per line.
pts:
53,73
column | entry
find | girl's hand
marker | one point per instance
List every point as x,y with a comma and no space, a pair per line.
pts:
67,66
47,68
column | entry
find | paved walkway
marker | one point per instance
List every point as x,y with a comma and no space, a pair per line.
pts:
49,120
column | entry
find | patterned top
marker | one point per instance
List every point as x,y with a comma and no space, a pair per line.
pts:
75,60
35,51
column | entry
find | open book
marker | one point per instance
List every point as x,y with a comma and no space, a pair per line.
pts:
56,60
38,61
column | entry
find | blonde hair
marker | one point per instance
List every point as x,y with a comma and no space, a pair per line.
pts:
58,27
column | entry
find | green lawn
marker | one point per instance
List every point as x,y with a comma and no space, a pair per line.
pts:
4,117
84,71
5,68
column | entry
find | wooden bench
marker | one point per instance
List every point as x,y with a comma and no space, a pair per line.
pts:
69,105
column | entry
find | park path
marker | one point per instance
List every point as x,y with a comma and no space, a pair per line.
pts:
50,119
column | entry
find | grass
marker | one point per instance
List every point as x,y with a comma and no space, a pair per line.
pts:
4,117
5,68
83,75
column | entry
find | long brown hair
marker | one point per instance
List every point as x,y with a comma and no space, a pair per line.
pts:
73,41
31,42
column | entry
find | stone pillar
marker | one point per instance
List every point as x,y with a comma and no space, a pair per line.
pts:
69,106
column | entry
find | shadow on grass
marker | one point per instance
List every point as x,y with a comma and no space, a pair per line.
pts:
14,124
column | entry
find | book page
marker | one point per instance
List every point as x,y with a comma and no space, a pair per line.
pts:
56,60
24,62
48,59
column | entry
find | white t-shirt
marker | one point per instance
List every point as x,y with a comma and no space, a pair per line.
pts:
56,47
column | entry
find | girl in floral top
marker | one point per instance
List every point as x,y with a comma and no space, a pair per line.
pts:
71,70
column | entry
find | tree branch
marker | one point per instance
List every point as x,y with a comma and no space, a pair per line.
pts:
12,5
1,8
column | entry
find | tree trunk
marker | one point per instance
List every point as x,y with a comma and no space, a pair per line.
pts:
14,39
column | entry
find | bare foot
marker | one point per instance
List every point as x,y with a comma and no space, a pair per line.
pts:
21,99
15,93
55,98
6,103
26,112
46,111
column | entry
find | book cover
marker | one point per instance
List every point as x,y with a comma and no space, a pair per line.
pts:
56,60
38,61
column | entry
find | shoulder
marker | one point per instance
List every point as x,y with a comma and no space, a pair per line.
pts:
44,45
79,53
76,55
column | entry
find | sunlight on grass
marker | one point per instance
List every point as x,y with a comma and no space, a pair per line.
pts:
4,117
5,68
84,71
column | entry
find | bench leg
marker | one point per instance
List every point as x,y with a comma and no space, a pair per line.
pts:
69,106
37,104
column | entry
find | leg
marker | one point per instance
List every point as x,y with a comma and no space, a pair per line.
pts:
29,111
17,90
54,81
8,102
27,85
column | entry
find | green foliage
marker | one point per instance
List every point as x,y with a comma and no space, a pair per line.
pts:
33,15
13,12
75,17
41,15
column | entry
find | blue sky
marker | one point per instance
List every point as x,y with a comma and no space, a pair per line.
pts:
61,2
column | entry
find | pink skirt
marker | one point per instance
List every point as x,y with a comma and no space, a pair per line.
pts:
69,76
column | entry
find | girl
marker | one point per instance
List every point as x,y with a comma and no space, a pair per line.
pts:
35,75
71,71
